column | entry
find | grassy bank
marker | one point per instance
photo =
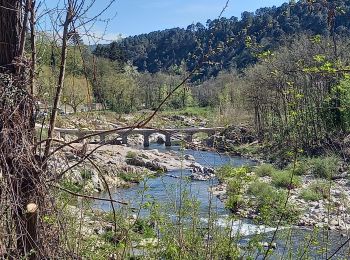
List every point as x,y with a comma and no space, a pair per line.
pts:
309,191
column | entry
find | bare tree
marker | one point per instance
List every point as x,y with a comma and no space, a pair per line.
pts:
25,184
19,166
23,176
70,15
75,18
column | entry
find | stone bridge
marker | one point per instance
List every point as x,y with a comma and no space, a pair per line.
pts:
146,132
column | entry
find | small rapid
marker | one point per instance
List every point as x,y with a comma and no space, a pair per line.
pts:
166,189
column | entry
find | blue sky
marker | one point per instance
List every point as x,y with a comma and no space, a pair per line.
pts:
132,17
142,16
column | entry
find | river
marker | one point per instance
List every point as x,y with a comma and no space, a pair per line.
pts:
165,189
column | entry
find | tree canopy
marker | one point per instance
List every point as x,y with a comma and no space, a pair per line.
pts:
238,41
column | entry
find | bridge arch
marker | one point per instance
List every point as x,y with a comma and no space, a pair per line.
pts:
146,132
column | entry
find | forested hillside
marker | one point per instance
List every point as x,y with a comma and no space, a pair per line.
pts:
283,69
238,42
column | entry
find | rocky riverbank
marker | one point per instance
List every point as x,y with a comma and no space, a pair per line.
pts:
122,166
118,165
332,212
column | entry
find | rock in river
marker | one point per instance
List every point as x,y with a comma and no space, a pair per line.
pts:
201,173
152,165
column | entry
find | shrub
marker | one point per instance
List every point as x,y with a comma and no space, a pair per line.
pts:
234,202
142,226
283,179
130,176
265,170
301,167
131,155
112,238
259,188
270,204
235,185
228,171
316,191
238,178
310,195
324,167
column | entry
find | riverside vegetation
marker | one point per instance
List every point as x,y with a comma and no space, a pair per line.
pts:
318,198
278,80
290,109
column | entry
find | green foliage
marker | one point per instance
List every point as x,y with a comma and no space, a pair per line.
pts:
324,167
131,155
204,112
270,204
47,81
142,226
230,172
181,98
87,174
110,237
49,219
193,111
234,202
76,92
114,53
225,172
120,91
97,247
125,90
74,187
316,191
335,106
306,111
340,96
285,179
264,170
237,179
130,176
41,134
310,195
301,167
255,35
257,188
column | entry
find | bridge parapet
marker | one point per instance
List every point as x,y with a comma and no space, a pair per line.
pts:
146,132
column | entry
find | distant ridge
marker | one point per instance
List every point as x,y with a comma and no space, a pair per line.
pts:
241,39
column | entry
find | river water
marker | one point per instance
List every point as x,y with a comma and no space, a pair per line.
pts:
165,190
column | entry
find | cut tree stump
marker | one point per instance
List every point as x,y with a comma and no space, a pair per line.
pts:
31,218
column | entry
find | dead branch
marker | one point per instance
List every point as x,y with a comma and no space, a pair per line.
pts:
88,196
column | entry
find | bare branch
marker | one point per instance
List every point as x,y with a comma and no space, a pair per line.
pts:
88,196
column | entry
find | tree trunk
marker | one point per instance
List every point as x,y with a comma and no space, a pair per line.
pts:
69,17
18,164
9,32
33,46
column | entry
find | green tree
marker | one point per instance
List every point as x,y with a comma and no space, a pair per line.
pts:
120,91
76,91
